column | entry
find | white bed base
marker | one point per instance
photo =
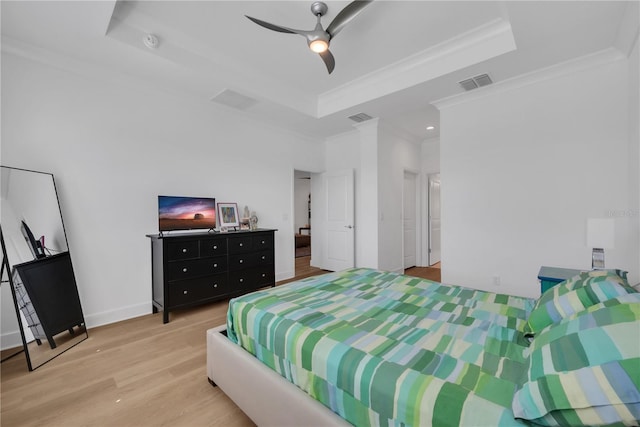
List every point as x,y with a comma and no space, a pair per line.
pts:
266,397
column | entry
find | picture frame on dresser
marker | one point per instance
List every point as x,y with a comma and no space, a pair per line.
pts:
228,215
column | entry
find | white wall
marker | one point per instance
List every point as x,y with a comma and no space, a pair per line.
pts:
430,156
524,164
395,156
113,147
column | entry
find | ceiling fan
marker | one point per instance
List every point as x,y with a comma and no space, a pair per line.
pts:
318,39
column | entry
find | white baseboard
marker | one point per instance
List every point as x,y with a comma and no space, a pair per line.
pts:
284,275
10,340
107,317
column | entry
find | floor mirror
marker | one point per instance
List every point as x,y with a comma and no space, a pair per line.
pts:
37,267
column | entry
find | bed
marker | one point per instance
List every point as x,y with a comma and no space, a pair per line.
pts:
367,347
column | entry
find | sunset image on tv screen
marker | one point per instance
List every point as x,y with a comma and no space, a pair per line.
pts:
186,213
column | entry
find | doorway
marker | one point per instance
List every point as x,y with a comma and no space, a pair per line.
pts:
434,220
302,221
410,223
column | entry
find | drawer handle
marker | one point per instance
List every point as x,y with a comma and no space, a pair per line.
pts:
215,265
263,242
264,274
264,257
215,285
241,244
184,270
241,261
215,246
184,250
185,292
241,280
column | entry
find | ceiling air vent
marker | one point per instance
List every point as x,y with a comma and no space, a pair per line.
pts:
234,99
360,117
477,81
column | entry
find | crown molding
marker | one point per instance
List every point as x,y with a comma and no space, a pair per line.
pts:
572,66
629,29
477,45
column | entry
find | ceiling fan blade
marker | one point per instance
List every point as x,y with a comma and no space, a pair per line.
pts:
274,27
328,59
346,15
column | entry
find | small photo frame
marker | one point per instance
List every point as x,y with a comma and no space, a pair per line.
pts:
228,215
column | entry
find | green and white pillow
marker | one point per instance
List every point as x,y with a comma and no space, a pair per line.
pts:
575,295
585,369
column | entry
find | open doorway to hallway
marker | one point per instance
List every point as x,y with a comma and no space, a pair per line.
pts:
302,224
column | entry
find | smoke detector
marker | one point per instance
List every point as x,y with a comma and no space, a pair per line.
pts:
150,41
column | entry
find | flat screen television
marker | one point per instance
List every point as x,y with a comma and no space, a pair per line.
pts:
186,213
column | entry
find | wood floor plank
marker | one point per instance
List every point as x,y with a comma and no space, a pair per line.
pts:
139,372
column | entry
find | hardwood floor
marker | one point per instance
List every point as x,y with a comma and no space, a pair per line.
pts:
303,269
431,273
139,372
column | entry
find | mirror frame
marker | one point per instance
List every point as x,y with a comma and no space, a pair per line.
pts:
6,265
7,268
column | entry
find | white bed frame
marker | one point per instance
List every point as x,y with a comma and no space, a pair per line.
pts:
266,397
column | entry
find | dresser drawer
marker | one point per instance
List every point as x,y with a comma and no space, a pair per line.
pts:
185,249
242,261
251,278
240,244
264,258
265,276
213,247
190,291
262,241
187,269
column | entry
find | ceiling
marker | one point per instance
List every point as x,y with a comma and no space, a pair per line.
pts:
392,60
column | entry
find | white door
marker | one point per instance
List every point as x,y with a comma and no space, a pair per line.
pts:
409,223
434,219
339,235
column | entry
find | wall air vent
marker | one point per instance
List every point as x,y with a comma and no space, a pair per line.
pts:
234,99
474,82
360,117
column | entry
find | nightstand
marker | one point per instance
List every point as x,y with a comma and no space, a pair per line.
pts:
551,276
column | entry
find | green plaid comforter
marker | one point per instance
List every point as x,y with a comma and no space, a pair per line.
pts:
380,348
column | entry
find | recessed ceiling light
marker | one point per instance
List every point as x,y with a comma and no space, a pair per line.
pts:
431,127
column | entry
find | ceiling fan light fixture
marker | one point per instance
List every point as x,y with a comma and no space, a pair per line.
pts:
318,46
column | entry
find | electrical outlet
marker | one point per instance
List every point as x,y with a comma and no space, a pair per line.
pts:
496,280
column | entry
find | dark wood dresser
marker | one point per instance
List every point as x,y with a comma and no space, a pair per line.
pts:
190,269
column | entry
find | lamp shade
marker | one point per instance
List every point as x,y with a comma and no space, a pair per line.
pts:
601,233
